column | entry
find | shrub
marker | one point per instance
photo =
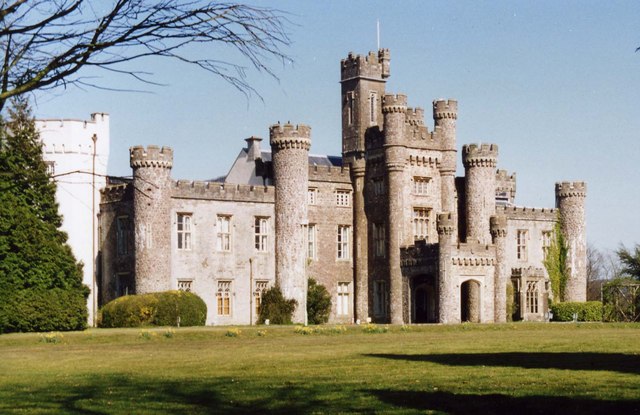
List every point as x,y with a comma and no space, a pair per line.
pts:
235,332
41,310
154,309
275,308
318,303
588,311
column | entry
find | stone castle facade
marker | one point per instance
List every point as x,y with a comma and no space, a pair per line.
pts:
387,228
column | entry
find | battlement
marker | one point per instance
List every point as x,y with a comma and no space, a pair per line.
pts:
187,189
290,136
419,254
337,174
415,116
445,223
504,176
473,254
116,193
372,66
394,103
506,183
571,189
445,109
152,156
498,225
529,272
527,213
483,155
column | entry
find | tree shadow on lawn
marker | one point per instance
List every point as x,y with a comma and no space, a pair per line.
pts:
615,362
501,404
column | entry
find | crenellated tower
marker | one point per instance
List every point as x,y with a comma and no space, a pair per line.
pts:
445,115
448,303
152,217
570,199
480,187
362,80
290,156
394,109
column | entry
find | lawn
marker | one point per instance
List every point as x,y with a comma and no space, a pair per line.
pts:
504,369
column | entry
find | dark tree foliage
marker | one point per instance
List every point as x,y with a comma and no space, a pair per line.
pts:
46,43
318,303
630,260
34,256
275,308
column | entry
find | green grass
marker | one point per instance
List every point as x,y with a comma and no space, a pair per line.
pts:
504,369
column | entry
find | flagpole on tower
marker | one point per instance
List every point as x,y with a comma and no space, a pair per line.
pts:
378,32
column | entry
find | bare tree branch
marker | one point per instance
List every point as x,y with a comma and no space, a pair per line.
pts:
48,42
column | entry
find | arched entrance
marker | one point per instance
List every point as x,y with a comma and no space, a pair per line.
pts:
470,301
423,300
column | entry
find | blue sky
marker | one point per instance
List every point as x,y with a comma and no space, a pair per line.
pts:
556,84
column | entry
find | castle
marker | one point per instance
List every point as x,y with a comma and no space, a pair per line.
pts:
387,228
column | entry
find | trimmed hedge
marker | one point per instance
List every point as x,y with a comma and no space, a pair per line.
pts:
154,309
39,310
588,311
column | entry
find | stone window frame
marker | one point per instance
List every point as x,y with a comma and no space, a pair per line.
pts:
261,233
380,298
350,107
343,198
343,243
342,300
51,167
373,113
184,231
122,235
312,196
311,236
185,284
379,239
522,237
532,297
221,235
124,289
422,185
377,183
260,287
421,221
224,295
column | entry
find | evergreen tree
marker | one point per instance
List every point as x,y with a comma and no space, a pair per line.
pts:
630,260
318,303
40,281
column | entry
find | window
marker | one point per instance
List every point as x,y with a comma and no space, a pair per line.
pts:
261,231
343,198
343,299
122,235
378,186
350,108
51,168
421,185
311,241
380,298
224,298
223,225
522,245
546,243
312,196
184,231
343,241
378,239
421,223
261,287
532,297
372,107
124,284
184,285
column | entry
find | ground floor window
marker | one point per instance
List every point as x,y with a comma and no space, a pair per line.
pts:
261,287
380,298
532,297
185,285
342,308
224,298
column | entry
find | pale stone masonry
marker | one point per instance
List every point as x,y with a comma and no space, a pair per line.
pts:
386,227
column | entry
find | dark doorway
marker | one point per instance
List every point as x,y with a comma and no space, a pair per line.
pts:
424,301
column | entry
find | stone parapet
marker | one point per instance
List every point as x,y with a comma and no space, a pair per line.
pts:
152,156
289,136
571,189
415,116
527,213
445,109
372,66
498,226
330,174
116,193
394,103
483,155
187,189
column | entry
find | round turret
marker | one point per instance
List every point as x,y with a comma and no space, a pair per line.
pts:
152,217
570,199
480,186
445,224
290,157
445,114
498,226
445,109
394,103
